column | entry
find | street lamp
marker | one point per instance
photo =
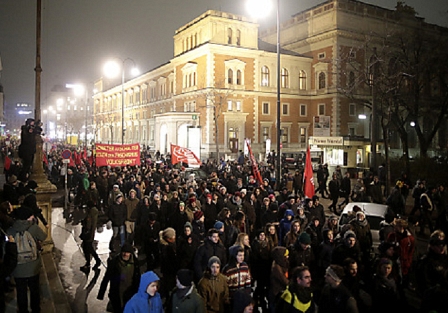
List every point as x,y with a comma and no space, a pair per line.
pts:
261,8
80,90
111,69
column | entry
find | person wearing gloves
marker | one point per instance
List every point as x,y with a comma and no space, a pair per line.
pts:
185,298
147,299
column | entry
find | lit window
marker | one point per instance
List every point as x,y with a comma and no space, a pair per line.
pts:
265,76
285,78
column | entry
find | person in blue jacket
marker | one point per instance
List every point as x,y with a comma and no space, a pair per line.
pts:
147,299
285,226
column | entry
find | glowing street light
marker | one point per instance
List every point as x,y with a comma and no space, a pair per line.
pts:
111,70
261,8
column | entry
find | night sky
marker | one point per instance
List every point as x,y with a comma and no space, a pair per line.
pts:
79,36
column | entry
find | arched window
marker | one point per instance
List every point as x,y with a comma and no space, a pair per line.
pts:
229,36
230,76
285,78
238,77
265,76
321,80
302,80
238,37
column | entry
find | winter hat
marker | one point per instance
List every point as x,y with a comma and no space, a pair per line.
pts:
168,233
244,191
181,203
185,277
127,247
218,225
304,238
188,225
271,196
209,195
32,184
192,199
22,213
198,214
384,246
336,272
118,196
116,186
213,260
241,299
360,213
349,234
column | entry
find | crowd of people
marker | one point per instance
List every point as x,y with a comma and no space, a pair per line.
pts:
229,243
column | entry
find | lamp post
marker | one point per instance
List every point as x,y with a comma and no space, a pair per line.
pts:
261,8
79,91
111,69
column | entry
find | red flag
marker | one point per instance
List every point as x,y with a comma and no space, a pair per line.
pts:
253,161
44,157
72,163
7,163
308,179
179,154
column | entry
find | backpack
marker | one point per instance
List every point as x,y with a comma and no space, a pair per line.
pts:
26,247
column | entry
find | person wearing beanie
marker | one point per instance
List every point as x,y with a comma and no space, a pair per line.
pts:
185,298
335,296
361,228
347,248
123,275
301,253
147,299
213,287
168,260
179,217
117,214
26,273
198,225
211,247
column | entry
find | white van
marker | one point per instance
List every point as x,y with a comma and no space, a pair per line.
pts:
375,214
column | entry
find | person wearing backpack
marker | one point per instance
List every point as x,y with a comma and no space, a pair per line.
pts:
26,274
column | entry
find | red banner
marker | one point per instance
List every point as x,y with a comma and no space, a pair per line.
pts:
184,155
117,155
255,170
308,179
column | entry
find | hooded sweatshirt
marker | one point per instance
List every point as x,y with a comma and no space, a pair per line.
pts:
142,302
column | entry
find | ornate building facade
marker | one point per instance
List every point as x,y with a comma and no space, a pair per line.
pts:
220,86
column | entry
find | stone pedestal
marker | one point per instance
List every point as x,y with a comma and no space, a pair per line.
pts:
44,191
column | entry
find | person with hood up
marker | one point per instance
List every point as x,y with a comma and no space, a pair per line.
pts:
123,274
285,226
26,273
213,287
147,299
279,274
237,271
185,298
187,244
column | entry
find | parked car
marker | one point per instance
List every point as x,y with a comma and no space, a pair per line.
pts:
375,214
199,174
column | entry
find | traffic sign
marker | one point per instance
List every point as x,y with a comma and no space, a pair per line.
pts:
66,154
